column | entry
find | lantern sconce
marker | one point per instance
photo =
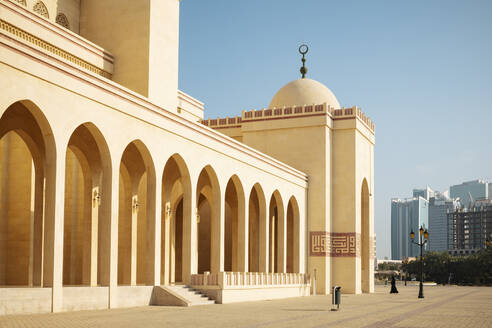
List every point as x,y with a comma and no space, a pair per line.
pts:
168,211
135,204
96,198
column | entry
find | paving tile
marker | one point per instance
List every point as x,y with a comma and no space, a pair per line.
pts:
447,306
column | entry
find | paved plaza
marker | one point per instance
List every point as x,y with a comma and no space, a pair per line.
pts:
442,307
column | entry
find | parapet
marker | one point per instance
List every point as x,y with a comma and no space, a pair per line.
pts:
290,112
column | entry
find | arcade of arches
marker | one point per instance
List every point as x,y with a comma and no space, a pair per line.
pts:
234,232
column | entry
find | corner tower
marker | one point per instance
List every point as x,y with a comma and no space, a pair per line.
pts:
306,128
144,38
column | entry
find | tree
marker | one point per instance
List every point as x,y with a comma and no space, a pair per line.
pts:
440,266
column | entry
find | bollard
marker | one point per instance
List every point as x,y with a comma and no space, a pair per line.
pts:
336,298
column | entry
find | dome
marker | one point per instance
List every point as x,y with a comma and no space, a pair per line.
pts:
304,92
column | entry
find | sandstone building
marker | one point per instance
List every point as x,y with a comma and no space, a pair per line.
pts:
115,191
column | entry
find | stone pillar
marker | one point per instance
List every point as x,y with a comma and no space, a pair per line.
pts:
281,239
217,238
264,238
55,199
38,228
4,182
91,227
154,199
190,234
243,236
110,204
271,246
167,238
133,247
171,245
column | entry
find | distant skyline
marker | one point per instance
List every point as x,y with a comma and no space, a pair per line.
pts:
422,70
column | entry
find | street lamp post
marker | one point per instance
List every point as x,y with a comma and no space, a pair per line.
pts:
425,235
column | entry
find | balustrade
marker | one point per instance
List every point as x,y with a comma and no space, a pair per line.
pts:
224,280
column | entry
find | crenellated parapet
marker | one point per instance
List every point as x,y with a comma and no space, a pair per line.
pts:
228,122
290,112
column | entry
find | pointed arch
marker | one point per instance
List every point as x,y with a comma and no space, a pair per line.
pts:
210,228
87,208
176,204
40,9
27,193
235,229
293,236
258,231
62,20
136,223
277,233
22,2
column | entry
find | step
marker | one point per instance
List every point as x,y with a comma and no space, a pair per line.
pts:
179,295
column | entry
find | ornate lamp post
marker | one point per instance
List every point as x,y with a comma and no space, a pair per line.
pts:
425,235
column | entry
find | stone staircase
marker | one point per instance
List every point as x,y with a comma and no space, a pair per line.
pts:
179,295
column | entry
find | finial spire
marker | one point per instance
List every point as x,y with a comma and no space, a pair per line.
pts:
303,50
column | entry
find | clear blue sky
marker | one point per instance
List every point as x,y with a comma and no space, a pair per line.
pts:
422,70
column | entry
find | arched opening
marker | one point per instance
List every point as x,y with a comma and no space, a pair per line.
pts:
86,218
176,189
365,238
40,9
22,2
62,20
136,217
256,221
209,234
293,236
277,234
27,157
234,226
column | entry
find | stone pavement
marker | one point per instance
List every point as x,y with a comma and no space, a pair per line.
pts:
441,307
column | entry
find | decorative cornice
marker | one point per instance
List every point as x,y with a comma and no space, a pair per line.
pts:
57,29
118,91
34,40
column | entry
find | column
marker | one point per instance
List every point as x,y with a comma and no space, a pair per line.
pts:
271,246
217,238
38,229
55,199
90,251
243,236
264,237
282,239
133,247
167,257
109,236
154,199
190,234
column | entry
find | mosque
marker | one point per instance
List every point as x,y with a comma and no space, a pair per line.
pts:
116,192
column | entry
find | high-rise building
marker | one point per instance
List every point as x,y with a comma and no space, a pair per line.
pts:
433,208
469,228
439,206
476,189
426,193
407,215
